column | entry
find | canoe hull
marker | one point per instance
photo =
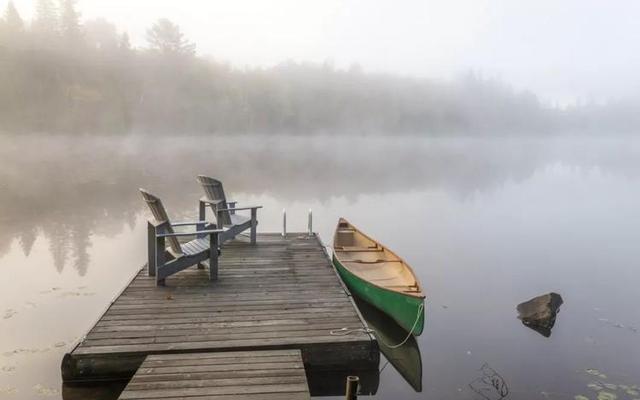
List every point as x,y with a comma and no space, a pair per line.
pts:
402,308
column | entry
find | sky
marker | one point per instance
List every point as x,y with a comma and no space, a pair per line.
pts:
564,51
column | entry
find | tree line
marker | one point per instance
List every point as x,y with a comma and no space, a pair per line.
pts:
59,73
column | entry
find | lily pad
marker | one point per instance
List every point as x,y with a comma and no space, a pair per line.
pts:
46,391
606,396
580,397
8,390
595,386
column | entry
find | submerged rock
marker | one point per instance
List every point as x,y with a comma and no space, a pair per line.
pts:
540,312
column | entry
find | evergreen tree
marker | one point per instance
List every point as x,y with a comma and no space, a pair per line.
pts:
11,26
13,23
46,19
125,43
165,37
69,21
100,34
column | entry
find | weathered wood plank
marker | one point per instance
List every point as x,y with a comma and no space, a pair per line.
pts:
281,293
214,345
220,328
234,375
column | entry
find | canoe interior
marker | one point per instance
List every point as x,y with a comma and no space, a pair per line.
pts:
372,262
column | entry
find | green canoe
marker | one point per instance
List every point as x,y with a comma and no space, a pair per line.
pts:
378,276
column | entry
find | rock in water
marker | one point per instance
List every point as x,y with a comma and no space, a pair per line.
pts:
540,312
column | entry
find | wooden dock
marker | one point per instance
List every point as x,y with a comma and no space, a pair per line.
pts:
252,375
281,293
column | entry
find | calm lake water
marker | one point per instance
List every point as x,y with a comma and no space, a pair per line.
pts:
486,224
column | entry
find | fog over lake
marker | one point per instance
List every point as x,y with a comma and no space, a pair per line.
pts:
485,223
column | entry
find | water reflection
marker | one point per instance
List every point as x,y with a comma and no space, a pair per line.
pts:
486,222
68,189
406,359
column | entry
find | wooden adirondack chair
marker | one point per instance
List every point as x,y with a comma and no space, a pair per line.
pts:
164,261
225,211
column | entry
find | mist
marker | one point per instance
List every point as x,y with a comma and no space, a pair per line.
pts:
492,144
65,73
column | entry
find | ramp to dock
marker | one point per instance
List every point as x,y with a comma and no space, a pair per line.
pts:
281,293
252,375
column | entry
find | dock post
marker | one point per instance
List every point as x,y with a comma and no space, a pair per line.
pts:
284,222
310,223
352,388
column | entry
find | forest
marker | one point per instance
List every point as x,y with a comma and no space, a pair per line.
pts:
62,74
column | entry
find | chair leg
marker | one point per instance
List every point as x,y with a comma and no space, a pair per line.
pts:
160,260
254,225
151,249
213,257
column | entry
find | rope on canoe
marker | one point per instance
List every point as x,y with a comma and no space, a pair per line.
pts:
347,331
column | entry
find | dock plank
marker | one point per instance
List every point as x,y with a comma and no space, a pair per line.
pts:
240,375
281,293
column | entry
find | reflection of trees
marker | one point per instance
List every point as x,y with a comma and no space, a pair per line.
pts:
69,189
57,234
26,239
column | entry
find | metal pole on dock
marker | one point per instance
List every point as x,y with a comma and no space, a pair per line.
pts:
310,223
352,388
284,222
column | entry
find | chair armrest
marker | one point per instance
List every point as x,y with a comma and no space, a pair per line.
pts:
238,208
187,223
206,232
209,201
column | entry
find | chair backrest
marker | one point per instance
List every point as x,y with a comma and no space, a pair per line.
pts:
160,215
213,190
